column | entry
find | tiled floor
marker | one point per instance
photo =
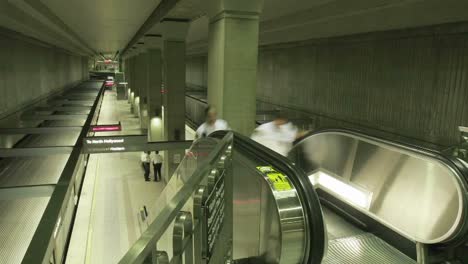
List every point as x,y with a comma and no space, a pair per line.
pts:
114,190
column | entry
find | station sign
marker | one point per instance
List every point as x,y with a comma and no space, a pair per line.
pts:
106,128
129,143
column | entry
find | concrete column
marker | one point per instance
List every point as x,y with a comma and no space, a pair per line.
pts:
153,45
136,83
174,33
232,60
142,83
132,80
125,76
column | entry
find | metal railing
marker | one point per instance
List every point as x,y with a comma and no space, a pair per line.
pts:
144,250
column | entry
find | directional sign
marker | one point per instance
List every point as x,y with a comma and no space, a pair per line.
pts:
112,144
106,128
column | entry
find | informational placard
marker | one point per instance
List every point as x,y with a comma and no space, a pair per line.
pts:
136,143
277,180
214,208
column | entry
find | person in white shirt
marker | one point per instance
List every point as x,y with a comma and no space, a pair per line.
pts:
211,124
277,135
145,163
157,161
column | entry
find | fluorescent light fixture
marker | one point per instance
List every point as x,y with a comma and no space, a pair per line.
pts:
156,121
356,196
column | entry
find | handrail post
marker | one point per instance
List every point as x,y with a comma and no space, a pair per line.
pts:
199,216
162,257
182,240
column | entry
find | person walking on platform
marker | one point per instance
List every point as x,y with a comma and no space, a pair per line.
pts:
212,123
145,163
157,161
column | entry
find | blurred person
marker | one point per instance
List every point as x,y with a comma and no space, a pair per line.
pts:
278,135
145,163
157,161
212,123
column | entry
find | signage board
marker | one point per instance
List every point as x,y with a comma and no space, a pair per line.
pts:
106,128
135,143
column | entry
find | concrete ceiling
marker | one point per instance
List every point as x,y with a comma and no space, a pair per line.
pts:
106,25
86,27
89,27
297,20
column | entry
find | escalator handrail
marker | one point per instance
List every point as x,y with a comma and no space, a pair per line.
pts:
145,244
315,242
452,162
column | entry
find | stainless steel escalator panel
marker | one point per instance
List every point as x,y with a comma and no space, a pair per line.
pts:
408,190
363,249
268,224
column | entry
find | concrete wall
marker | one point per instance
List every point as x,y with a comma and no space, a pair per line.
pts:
412,83
197,72
30,70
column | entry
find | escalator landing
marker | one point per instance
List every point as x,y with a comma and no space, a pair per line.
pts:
350,245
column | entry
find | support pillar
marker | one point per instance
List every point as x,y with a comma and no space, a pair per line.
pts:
174,33
134,94
142,83
232,60
153,44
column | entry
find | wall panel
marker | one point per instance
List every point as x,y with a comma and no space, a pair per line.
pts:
411,83
415,86
30,70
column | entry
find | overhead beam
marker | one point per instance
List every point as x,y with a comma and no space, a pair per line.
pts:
34,152
38,130
90,94
63,108
156,16
22,192
76,97
71,102
36,29
54,117
44,11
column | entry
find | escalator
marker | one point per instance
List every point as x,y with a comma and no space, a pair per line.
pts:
386,202
232,200
298,235
341,197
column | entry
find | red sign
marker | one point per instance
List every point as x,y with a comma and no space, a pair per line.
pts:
106,128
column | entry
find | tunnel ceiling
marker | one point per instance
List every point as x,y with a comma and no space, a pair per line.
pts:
88,27
297,20
106,25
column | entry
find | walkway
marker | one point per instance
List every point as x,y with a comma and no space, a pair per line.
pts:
113,192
